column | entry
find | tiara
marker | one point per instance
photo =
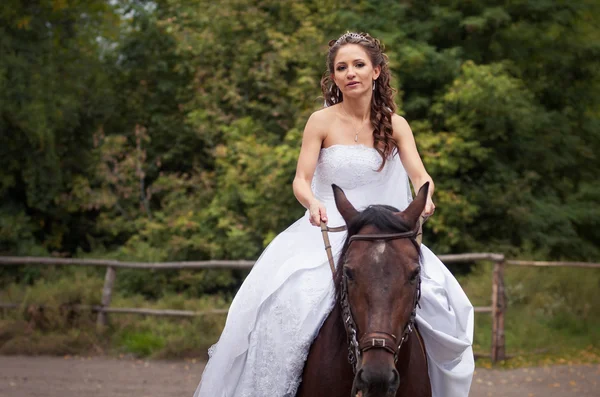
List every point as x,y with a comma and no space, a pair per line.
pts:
351,35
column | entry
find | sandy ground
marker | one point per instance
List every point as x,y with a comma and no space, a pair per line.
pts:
109,377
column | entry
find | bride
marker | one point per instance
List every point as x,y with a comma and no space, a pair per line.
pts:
359,143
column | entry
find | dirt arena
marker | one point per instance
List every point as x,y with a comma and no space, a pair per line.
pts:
109,377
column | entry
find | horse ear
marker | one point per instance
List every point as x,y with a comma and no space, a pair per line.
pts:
412,213
344,206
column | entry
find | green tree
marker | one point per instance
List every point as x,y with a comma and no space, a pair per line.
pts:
504,102
169,130
53,94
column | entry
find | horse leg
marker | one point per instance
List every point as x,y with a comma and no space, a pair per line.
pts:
327,372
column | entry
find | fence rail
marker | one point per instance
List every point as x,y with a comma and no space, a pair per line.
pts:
553,264
244,264
214,264
125,310
497,309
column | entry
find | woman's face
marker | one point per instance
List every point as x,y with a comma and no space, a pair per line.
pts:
353,71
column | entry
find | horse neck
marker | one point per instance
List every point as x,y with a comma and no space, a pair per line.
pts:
338,333
410,350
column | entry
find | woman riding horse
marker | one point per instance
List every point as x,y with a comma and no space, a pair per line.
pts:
360,144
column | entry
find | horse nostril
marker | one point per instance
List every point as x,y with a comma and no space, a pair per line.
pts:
395,378
360,375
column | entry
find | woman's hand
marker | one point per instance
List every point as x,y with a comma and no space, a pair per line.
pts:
317,213
429,208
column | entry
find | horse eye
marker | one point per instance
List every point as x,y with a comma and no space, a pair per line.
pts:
348,273
415,274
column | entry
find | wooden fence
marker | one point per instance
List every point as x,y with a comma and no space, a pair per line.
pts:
497,308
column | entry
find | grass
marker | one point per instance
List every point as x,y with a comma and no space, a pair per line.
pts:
553,318
45,323
141,343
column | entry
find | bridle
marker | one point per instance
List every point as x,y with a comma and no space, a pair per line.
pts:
377,339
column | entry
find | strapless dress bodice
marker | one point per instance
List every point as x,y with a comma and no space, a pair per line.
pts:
351,167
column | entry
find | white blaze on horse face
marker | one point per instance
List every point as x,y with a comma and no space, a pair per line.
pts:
378,251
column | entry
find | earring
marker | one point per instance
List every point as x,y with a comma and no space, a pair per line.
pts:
374,84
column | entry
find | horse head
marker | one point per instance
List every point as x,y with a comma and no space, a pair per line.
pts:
378,285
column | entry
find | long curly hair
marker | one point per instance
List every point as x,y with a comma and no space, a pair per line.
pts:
382,102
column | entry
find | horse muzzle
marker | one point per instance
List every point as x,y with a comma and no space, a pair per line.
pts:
376,382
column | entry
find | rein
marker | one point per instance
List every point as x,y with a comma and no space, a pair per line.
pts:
324,231
377,339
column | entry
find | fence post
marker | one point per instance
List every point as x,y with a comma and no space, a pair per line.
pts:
498,309
109,281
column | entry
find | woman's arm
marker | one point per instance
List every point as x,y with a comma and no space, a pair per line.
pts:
411,160
312,139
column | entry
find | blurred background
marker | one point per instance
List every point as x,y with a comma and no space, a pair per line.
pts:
169,130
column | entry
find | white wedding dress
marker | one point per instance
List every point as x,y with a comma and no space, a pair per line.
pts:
287,296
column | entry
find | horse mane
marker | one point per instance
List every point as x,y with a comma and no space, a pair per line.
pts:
380,216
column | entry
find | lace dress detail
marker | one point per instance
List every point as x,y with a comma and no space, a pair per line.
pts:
265,373
289,293
349,166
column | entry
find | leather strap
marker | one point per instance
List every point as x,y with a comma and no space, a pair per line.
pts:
379,340
384,236
417,234
325,231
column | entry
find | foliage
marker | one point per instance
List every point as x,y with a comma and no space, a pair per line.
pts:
169,130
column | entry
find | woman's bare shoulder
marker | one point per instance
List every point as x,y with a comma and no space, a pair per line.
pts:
399,121
325,114
400,126
319,123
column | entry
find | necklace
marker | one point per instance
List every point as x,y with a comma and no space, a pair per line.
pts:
353,126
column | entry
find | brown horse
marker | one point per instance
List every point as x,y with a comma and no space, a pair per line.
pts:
365,347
